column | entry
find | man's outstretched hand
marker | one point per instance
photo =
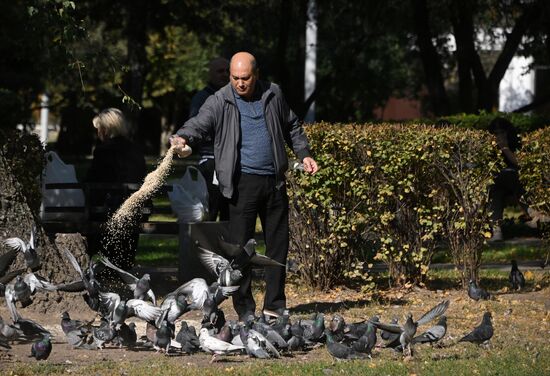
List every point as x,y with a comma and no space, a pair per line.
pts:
180,146
310,166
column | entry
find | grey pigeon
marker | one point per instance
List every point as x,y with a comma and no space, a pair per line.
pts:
90,283
28,249
163,338
140,286
481,333
516,278
476,293
434,334
187,337
4,342
220,267
315,331
266,330
9,332
391,340
367,341
340,350
29,328
336,327
197,292
103,334
173,306
408,330
42,348
126,335
257,345
245,255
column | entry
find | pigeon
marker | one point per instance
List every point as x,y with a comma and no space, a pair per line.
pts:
220,267
340,350
9,332
391,340
367,341
214,318
140,286
408,330
336,327
315,331
29,328
477,293
113,308
197,292
187,337
173,306
68,325
244,255
6,260
516,278
257,345
103,334
42,348
81,338
143,310
126,335
90,283
481,333
163,337
24,287
215,346
28,249
4,342
434,334
266,330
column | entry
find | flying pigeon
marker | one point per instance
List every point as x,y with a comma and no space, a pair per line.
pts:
173,306
477,293
481,333
516,278
91,285
244,255
27,248
197,292
220,267
408,330
140,286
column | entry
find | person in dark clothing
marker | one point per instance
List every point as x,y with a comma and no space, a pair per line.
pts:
218,76
507,183
116,160
252,125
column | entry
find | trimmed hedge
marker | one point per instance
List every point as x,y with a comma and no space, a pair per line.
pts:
389,192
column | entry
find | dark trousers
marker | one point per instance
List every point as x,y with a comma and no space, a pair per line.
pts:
257,195
507,184
217,204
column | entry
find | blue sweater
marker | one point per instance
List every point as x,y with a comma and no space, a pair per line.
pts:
256,150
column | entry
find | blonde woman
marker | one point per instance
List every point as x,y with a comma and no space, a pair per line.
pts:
116,160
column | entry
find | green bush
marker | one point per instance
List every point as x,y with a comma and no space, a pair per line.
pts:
534,160
389,192
524,123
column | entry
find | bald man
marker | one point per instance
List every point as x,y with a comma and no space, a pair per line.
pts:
218,76
252,124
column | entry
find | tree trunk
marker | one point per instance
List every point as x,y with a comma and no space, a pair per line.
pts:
16,220
463,27
430,59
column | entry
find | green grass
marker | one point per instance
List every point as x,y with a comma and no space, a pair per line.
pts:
473,361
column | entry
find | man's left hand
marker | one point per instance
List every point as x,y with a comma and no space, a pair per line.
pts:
310,166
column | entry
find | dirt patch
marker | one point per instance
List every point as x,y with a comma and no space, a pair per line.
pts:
522,316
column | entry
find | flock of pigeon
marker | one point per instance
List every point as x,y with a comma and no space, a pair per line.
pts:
268,336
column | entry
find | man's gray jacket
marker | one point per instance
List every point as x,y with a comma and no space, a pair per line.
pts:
220,115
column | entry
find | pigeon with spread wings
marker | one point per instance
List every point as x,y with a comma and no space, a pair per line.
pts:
140,286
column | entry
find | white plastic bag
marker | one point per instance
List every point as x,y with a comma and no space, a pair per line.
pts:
57,171
189,197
